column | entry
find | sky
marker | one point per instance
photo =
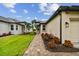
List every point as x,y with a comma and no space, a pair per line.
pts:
30,11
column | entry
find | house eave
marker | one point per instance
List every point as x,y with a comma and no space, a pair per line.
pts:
63,8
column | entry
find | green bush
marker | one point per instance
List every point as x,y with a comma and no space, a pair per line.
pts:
33,33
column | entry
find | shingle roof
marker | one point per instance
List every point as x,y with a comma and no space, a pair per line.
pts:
7,19
10,20
63,8
40,22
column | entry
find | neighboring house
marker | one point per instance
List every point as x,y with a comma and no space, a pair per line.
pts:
64,23
40,26
11,25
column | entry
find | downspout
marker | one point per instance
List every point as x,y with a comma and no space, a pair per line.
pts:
60,28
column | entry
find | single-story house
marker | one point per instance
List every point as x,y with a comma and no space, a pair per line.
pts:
40,26
11,25
64,23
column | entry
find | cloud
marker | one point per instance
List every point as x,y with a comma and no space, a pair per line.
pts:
19,16
43,6
47,13
44,19
9,5
12,10
28,18
36,18
54,7
48,8
25,11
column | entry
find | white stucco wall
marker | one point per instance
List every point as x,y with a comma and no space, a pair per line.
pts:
19,31
4,28
41,28
54,26
66,33
25,29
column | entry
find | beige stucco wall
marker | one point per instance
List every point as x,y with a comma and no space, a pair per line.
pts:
54,26
66,32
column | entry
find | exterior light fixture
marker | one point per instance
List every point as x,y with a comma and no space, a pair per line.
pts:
66,25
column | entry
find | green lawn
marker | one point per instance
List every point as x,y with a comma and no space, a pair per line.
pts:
14,45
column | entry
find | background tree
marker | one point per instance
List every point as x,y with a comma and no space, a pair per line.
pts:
34,25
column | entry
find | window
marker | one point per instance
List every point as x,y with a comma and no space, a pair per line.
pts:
43,27
12,27
16,27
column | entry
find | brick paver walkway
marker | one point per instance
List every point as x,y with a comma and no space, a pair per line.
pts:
37,48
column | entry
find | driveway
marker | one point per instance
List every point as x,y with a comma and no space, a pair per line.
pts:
37,48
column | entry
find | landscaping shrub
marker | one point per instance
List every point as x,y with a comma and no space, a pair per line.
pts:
4,34
9,33
32,33
46,37
51,44
56,39
50,40
42,35
68,43
51,36
0,35
23,33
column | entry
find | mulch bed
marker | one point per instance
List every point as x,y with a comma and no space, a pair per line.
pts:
61,48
